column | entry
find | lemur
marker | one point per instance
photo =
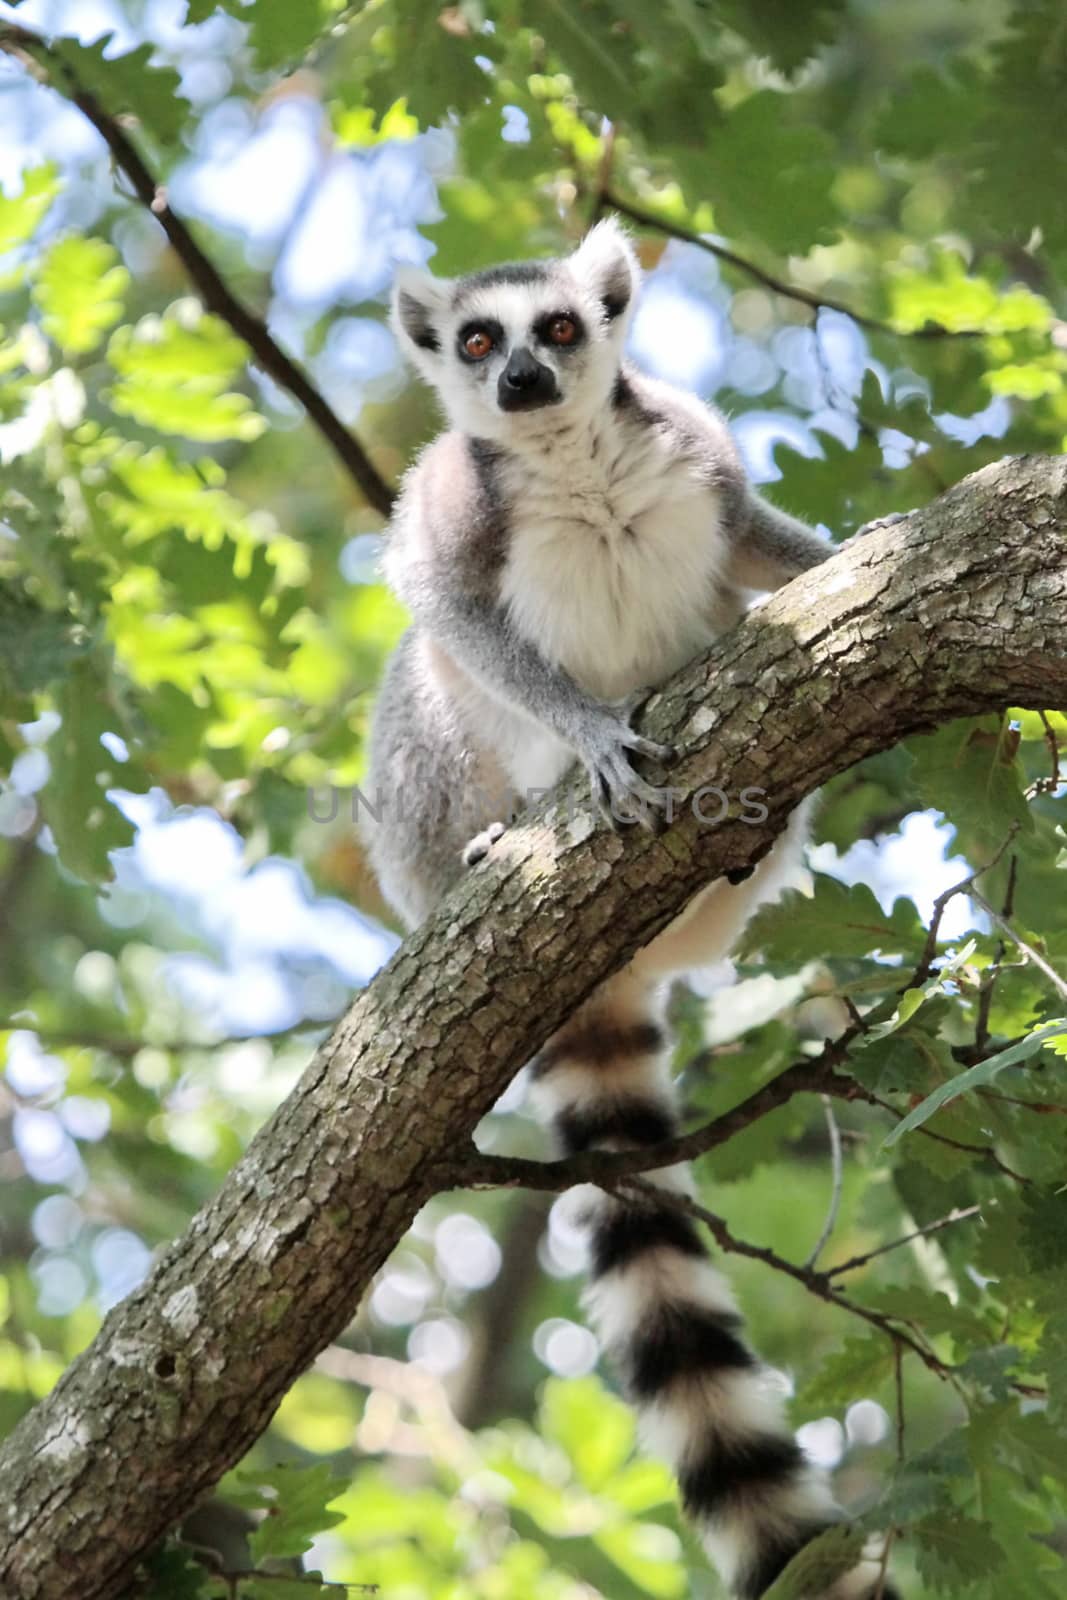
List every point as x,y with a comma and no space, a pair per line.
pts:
580,532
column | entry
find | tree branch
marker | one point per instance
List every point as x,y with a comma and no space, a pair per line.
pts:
853,1262
782,286
472,1169
957,610
31,49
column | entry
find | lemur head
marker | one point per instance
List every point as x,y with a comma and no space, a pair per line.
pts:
517,351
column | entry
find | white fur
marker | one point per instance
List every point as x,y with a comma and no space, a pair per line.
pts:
613,558
575,1086
620,1301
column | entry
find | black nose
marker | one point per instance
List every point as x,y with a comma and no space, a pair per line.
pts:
522,371
525,384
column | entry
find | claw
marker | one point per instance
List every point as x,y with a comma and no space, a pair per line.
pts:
479,847
641,746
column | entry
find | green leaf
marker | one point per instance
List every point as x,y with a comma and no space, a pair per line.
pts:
954,1548
596,1430
771,176
815,1569
20,213
281,31
977,1077
597,56
648,1554
175,1575
969,771
36,646
860,1365
79,290
294,1499
430,50
789,34
173,371
835,920
127,84
86,825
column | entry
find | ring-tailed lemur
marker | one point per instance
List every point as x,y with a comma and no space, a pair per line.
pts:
579,533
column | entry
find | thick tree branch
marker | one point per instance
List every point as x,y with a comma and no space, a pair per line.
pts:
958,610
214,291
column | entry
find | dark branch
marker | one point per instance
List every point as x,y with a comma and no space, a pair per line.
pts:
854,1262
213,288
782,286
473,1169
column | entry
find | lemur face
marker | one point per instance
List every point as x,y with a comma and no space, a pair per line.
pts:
517,351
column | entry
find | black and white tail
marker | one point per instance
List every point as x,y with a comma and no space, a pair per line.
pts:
665,1316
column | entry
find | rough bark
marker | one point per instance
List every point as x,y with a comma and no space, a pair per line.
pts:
959,610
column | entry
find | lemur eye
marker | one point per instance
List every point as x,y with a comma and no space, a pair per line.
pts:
562,330
478,344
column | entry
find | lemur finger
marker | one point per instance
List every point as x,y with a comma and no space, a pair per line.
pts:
611,795
632,793
636,787
650,748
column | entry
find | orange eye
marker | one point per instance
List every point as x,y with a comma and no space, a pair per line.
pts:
562,330
478,344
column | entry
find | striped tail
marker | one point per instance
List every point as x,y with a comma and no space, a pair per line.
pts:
667,1318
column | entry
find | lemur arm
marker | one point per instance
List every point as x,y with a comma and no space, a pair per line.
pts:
773,547
477,633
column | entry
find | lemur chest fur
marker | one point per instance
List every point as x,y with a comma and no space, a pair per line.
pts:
612,557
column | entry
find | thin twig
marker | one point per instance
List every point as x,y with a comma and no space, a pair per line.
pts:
603,183
964,886
837,1178
213,289
984,1150
1050,784
792,291
989,979
883,1569
1058,983
817,1282
894,1244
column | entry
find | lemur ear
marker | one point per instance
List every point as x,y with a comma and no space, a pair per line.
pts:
606,262
418,301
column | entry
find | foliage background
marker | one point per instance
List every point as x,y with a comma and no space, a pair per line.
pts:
190,633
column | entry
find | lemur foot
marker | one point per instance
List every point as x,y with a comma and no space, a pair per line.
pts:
479,847
739,874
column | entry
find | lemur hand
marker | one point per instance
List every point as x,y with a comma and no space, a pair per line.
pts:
606,746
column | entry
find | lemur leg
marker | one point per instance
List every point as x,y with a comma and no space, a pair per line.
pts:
713,921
